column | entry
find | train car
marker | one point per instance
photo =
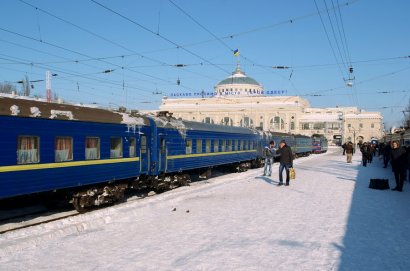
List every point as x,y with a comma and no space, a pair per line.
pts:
184,146
303,145
48,147
319,143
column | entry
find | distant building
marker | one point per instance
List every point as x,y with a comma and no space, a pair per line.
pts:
240,100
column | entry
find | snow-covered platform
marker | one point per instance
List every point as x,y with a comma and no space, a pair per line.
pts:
327,219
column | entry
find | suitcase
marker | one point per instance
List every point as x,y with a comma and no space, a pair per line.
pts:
380,184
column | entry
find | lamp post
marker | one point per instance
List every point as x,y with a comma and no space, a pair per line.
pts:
342,129
352,129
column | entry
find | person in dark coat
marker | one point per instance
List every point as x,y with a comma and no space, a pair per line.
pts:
386,154
365,153
349,151
370,151
408,163
344,148
398,160
285,161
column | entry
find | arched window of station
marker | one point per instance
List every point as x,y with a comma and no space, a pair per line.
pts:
246,122
208,120
227,121
277,123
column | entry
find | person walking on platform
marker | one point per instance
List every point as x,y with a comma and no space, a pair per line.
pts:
349,151
365,153
268,154
399,165
386,154
285,161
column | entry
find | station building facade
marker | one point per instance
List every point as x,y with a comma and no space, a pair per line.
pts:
239,100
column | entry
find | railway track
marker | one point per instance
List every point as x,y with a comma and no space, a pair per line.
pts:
16,219
33,219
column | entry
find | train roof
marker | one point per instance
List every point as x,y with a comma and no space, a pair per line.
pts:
170,122
25,107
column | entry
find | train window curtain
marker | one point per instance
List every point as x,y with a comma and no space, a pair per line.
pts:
223,145
63,149
92,148
116,147
188,146
27,150
133,145
216,145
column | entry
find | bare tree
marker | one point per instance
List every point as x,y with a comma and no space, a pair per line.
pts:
7,88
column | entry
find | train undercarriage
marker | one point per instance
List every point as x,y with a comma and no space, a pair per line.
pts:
112,193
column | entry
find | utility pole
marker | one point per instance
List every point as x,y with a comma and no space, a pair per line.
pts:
352,129
48,86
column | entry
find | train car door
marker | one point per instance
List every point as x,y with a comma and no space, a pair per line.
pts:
144,154
162,155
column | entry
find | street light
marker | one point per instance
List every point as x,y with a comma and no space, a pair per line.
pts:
354,135
342,130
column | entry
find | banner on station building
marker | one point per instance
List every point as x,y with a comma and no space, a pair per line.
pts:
228,93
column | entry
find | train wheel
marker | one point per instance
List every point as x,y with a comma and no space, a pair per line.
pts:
77,205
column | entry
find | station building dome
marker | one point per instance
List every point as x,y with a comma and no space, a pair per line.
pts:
238,84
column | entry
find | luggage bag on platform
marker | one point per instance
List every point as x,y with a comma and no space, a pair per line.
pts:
380,184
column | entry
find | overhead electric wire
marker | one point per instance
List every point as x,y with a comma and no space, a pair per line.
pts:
92,33
107,40
328,39
261,28
79,53
335,37
340,29
157,34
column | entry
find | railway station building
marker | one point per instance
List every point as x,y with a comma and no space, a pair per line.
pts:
240,100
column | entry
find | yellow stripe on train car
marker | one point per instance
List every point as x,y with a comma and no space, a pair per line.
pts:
67,164
206,154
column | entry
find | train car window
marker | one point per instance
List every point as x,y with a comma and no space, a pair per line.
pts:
251,145
133,146
230,145
115,147
216,145
28,151
143,144
63,149
208,145
188,146
199,146
163,146
92,148
223,145
242,146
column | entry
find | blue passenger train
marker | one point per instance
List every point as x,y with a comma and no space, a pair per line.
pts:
94,154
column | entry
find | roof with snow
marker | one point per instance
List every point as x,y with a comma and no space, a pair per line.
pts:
29,107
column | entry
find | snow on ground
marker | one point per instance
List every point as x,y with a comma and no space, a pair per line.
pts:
327,219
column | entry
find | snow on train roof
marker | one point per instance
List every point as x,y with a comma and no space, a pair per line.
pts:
29,107
180,125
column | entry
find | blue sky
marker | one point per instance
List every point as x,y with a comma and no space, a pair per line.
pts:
142,41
